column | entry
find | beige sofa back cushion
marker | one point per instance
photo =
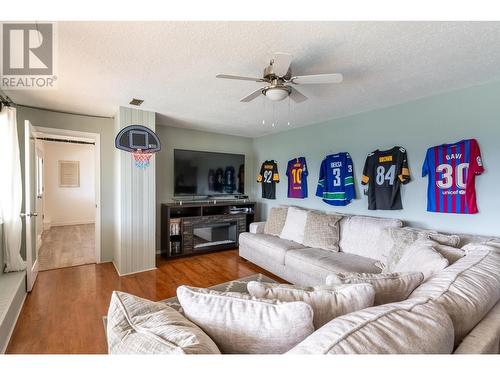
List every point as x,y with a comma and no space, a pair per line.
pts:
365,236
322,231
467,289
389,287
409,327
327,302
276,221
139,326
239,323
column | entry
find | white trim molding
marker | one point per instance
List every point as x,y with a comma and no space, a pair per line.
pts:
82,136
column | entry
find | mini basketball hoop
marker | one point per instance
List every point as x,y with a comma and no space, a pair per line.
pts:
140,141
141,158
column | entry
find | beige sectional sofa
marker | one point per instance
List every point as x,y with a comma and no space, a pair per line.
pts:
360,240
454,309
461,301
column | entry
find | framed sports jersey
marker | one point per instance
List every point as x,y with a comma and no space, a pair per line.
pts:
384,173
268,177
336,180
452,171
297,178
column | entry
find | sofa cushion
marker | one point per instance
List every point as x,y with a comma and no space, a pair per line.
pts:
409,327
270,246
139,326
327,302
365,236
485,337
275,221
239,323
467,289
474,239
321,263
403,238
422,257
389,287
257,227
295,225
322,231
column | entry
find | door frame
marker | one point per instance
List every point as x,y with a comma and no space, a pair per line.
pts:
96,137
29,207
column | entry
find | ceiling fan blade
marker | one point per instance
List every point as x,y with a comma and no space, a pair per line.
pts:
317,79
241,78
252,96
281,63
297,96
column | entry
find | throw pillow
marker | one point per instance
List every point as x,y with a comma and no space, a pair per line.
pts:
450,252
139,326
275,221
445,239
402,238
322,231
294,225
327,302
389,287
239,323
422,257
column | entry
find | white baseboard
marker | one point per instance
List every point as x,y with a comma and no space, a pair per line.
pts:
47,225
131,273
2,350
65,223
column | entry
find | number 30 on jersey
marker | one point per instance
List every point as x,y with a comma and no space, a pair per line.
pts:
450,175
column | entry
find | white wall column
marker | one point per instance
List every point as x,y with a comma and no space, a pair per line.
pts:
135,198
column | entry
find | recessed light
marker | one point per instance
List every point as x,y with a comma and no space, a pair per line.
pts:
136,102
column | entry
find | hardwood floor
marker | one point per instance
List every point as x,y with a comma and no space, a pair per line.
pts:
67,246
63,313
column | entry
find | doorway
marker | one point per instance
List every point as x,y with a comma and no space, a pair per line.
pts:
68,198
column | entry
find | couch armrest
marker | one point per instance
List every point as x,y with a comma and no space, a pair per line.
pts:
257,227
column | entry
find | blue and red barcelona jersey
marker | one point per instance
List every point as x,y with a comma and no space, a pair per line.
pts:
452,170
297,178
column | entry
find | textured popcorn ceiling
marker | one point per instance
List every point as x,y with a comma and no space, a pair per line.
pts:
172,66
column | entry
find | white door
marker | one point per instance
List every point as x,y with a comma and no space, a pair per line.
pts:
30,199
39,194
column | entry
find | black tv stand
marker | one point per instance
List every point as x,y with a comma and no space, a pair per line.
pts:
197,227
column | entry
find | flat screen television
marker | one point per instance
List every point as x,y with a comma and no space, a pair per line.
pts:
201,173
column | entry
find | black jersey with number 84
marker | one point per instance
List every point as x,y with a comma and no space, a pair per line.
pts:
384,172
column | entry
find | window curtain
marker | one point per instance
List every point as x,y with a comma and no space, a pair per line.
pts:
11,194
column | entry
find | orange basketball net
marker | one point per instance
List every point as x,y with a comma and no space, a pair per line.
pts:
142,158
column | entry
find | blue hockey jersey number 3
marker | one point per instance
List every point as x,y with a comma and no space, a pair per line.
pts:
336,181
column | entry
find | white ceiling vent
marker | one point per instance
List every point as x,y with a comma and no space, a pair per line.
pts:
69,173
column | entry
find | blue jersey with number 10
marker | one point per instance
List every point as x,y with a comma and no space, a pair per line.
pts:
336,181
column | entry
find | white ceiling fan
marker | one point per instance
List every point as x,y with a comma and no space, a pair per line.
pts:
280,81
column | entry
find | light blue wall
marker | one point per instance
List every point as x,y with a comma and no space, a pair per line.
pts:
469,113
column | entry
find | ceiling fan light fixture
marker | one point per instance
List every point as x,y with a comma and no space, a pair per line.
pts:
276,93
